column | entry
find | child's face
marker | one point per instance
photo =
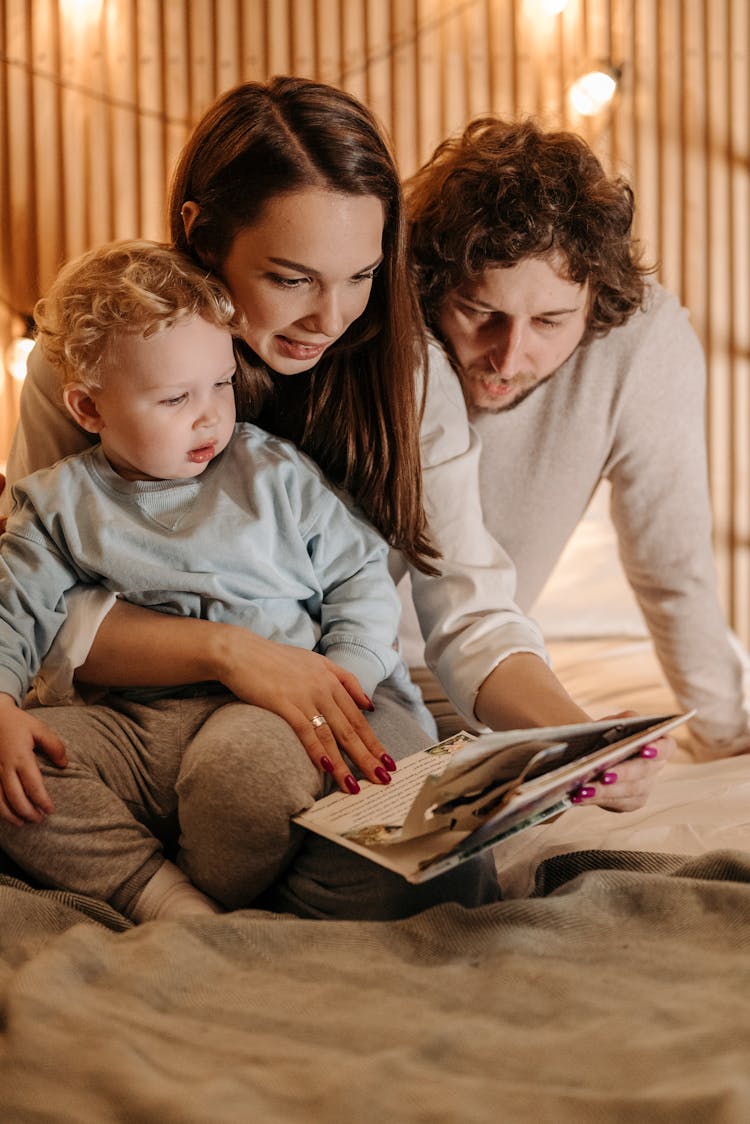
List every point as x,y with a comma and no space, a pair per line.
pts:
168,407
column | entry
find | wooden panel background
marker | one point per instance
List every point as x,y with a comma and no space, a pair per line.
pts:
96,97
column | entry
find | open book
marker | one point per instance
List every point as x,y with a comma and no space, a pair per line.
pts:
455,799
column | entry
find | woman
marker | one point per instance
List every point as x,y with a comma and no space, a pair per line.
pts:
288,191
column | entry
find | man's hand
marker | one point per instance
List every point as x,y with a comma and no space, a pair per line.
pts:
23,797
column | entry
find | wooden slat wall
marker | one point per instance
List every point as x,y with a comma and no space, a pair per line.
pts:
97,96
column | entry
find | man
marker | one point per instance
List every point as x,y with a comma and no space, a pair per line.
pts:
576,366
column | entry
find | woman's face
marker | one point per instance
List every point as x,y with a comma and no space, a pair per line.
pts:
303,273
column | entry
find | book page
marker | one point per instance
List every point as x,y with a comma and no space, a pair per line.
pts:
377,812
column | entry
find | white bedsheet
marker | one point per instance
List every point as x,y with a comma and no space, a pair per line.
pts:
696,806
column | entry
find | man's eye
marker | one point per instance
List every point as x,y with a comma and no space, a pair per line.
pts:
477,313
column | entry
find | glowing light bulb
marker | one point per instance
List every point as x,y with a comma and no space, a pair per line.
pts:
592,91
82,12
16,354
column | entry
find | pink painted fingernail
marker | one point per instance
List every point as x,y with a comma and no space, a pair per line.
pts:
383,776
370,703
649,751
388,761
583,793
326,764
351,784
609,778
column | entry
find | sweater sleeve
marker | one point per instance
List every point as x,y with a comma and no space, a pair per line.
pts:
34,577
359,608
45,433
661,510
467,615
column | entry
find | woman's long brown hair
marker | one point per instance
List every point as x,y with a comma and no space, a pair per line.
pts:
359,409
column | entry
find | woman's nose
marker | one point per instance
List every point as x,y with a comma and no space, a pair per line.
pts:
326,316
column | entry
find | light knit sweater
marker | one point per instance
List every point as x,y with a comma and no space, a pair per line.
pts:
257,539
629,407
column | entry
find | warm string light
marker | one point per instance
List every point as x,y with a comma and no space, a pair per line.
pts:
17,352
16,356
82,12
595,89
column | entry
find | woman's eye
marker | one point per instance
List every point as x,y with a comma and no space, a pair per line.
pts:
369,275
287,282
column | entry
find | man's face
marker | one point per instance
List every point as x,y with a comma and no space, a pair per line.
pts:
512,328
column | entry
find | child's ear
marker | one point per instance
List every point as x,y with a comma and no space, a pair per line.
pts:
82,407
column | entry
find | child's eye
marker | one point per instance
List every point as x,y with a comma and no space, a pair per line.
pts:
225,382
174,401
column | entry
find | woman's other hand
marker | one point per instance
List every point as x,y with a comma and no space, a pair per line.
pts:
627,786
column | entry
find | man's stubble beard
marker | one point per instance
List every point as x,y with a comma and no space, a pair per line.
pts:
502,409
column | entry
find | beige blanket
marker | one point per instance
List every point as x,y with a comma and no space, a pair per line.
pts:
620,993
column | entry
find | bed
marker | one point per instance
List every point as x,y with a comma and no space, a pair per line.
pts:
610,984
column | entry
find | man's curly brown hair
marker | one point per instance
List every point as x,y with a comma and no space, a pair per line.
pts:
505,191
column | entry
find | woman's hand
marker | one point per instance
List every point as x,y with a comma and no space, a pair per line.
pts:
137,647
316,697
628,785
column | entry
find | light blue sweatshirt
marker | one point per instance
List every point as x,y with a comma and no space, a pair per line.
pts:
258,539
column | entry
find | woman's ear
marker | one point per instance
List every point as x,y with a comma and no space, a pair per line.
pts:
189,212
82,407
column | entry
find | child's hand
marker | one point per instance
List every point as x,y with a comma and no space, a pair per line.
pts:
23,797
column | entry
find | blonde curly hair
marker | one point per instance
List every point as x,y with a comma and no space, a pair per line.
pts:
132,287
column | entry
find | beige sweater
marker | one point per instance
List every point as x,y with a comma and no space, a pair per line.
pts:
629,407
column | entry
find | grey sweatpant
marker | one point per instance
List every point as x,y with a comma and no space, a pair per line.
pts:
232,775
